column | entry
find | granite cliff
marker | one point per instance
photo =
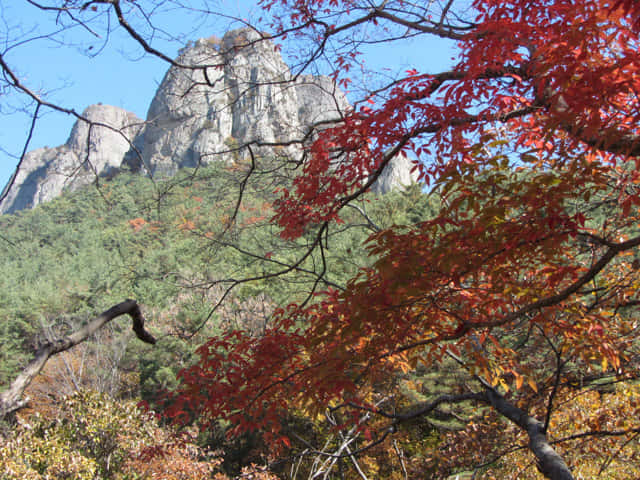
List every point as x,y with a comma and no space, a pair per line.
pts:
93,149
220,94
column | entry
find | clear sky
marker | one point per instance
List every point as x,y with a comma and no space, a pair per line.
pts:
82,69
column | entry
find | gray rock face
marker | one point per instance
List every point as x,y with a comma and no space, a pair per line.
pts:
235,91
248,96
93,149
396,175
319,100
101,147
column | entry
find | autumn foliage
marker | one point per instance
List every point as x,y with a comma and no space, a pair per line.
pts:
526,278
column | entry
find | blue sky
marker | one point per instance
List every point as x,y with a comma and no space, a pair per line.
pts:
71,74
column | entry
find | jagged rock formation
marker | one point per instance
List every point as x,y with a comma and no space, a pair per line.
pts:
396,175
247,96
95,148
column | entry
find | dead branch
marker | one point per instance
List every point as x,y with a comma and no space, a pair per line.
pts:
11,400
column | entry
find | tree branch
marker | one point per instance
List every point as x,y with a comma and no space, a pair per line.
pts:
11,400
549,462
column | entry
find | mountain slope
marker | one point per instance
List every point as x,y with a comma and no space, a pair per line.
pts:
173,246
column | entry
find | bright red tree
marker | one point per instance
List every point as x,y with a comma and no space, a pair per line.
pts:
527,277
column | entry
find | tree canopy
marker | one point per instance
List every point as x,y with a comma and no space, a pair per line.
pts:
526,278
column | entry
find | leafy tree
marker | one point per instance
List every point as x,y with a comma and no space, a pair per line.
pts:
525,278
93,436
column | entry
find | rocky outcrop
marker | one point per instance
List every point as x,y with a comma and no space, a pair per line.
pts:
248,96
94,148
397,174
225,94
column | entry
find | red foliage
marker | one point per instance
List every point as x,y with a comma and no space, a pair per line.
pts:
569,70
556,82
630,8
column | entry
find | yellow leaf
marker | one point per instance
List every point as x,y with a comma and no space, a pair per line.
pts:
504,385
519,381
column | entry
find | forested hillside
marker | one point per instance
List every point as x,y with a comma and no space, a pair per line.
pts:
179,247
163,244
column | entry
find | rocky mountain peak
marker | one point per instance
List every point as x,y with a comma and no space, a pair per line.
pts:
247,96
221,93
96,147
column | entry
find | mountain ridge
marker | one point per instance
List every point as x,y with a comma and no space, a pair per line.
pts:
234,91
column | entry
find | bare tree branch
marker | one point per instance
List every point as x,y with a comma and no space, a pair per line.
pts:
11,400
